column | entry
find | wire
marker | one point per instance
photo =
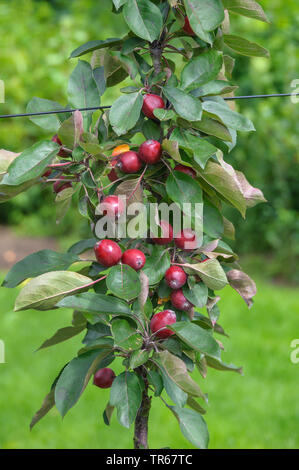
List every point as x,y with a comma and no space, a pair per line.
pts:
62,111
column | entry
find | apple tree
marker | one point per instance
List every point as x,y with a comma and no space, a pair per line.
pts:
149,302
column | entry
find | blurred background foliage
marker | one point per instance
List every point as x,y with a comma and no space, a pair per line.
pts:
37,37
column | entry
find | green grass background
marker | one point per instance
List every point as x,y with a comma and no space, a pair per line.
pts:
257,410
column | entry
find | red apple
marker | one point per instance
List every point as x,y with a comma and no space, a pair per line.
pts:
185,169
61,152
186,240
179,301
134,258
103,378
60,185
113,175
167,234
175,277
112,206
160,320
151,102
108,252
150,151
129,162
187,28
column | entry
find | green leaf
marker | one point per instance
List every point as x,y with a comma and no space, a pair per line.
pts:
224,182
155,379
113,70
156,265
164,114
94,45
38,263
209,13
75,377
138,358
227,116
99,77
151,129
30,164
50,122
193,426
197,338
95,332
82,246
204,16
211,127
43,292
248,8
93,303
176,394
129,64
201,69
219,365
123,281
125,112
212,221
63,201
211,272
126,395
107,415
82,90
243,284
47,404
124,334
185,105
6,158
202,149
143,18
244,47
130,44
198,295
195,406
183,189
215,87
177,371
63,334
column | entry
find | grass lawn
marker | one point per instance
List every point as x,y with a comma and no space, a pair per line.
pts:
257,410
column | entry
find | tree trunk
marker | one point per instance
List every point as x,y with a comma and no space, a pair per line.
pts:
141,422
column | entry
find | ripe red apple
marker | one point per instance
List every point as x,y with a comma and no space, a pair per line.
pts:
108,252
175,277
103,378
150,151
167,234
60,185
134,258
47,173
179,301
186,239
112,206
160,320
113,175
61,152
187,28
129,162
185,169
151,102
